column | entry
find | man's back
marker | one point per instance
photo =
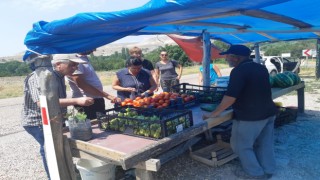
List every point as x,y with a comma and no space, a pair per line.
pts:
249,84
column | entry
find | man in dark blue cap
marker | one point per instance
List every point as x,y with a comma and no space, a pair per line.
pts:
249,94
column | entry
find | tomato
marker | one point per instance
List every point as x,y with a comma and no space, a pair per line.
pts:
166,96
161,101
137,98
123,103
128,100
156,99
175,94
141,102
173,97
135,103
147,102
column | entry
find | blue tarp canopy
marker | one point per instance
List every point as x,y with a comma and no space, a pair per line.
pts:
230,21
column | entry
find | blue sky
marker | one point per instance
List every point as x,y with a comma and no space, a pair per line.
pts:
17,17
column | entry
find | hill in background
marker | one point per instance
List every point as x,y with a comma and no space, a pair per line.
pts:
146,46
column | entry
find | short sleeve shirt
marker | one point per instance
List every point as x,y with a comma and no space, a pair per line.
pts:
146,64
141,82
168,70
213,74
90,77
249,84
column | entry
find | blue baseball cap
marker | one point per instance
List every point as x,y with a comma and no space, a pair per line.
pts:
239,50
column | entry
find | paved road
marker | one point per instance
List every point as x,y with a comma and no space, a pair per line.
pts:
19,152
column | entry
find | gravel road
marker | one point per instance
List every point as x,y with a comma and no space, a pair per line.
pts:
20,158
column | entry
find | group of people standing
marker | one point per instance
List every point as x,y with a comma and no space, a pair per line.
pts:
138,78
248,92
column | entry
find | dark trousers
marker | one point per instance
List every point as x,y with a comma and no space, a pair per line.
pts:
37,133
98,106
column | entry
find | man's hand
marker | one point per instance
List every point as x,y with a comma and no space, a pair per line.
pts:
211,115
205,116
116,100
85,101
131,89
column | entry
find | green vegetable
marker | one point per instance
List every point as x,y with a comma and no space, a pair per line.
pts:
81,116
209,107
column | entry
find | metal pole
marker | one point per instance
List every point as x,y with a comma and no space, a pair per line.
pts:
257,53
317,73
206,58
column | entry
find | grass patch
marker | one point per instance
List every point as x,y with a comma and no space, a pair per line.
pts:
307,71
311,85
11,86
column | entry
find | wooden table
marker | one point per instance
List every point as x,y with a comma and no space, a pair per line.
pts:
135,152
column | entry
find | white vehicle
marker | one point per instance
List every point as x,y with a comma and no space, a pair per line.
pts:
278,64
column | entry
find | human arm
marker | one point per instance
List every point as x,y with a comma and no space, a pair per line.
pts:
200,78
154,76
217,70
180,71
81,83
157,75
82,101
226,102
116,86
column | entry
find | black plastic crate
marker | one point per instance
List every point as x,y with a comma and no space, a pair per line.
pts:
285,115
145,122
205,94
179,104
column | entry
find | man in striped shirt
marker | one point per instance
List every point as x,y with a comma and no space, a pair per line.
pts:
63,64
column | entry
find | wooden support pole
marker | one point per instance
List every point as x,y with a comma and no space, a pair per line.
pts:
68,159
149,165
48,87
300,93
142,174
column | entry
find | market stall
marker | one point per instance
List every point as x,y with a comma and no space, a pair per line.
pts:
257,22
141,153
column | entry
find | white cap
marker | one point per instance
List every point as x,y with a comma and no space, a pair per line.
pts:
67,57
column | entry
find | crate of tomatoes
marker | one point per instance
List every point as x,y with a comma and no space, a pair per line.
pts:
145,122
162,100
205,94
